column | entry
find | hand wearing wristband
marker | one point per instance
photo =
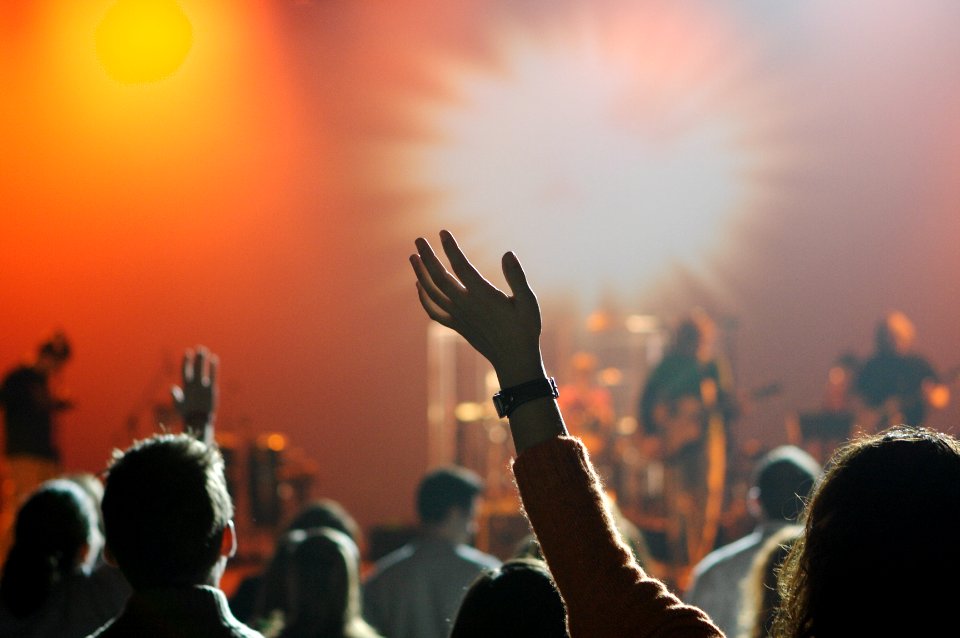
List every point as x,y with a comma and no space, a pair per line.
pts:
504,329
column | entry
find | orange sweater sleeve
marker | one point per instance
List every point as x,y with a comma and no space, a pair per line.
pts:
606,592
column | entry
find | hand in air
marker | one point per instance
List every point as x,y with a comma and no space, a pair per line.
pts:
504,329
196,399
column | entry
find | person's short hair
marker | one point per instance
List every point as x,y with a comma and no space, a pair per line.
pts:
518,598
444,489
784,478
165,509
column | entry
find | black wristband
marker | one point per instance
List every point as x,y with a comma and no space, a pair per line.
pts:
509,399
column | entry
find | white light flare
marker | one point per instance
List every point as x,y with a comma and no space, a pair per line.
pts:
605,153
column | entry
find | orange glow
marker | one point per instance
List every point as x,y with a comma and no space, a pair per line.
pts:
276,442
143,40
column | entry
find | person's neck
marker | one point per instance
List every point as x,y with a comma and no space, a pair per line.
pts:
445,533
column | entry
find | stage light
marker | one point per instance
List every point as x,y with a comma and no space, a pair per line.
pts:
614,149
143,41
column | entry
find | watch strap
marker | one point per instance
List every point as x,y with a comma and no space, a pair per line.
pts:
509,399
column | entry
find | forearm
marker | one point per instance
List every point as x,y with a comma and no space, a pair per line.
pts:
606,592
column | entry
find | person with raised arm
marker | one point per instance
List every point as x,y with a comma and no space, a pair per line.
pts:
605,591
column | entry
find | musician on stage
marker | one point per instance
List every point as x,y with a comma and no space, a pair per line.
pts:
686,406
31,406
895,384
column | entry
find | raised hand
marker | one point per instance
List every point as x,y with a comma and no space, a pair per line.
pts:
504,329
196,399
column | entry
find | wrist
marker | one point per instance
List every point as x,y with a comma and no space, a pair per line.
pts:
520,370
510,399
197,418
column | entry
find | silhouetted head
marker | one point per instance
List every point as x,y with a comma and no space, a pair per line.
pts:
326,513
447,497
166,511
52,354
880,540
695,336
783,480
895,334
518,598
55,534
322,585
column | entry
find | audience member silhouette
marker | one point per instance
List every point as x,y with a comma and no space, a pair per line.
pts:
518,599
607,594
416,590
168,524
46,589
259,595
31,406
169,528
760,595
782,480
321,587
106,578
879,552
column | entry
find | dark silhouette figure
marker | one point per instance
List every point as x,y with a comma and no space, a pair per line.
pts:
879,548
518,599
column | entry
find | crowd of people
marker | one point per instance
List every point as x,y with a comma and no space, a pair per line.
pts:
853,550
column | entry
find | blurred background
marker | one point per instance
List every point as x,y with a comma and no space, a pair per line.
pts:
251,175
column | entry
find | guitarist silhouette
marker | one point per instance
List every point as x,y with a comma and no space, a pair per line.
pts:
687,405
896,385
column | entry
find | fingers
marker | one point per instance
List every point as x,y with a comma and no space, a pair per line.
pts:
426,286
439,275
517,279
187,366
200,367
469,275
198,364
213,364
433,310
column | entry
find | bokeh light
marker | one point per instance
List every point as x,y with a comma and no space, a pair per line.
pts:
141,41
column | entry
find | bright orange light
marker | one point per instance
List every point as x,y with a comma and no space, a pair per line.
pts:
276,442
142,41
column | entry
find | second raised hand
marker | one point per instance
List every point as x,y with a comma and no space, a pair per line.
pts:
504,329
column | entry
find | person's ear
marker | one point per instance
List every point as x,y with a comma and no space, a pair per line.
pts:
228,545
108,557
753,502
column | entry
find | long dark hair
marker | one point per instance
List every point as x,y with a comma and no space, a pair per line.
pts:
879,547
322,586
52,527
